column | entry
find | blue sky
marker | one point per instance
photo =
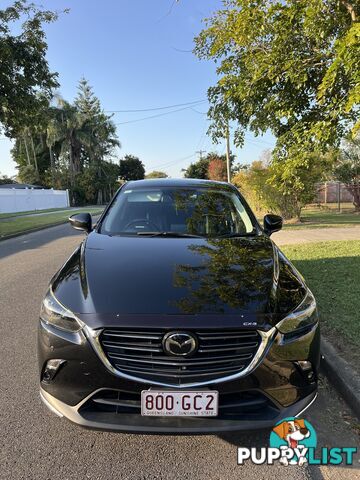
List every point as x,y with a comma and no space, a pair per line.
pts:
137,55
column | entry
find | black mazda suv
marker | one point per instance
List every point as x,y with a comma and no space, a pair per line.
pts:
178,314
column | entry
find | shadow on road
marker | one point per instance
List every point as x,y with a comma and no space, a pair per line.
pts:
35,240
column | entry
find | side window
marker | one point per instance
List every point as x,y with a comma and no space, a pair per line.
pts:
242,214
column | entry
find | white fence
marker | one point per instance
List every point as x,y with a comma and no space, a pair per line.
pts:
21,200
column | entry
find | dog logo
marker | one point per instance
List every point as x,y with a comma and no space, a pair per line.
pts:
293,436
293,442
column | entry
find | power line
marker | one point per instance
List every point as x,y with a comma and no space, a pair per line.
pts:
168,12
152,116
181,50
202,138
156,108
197,111
174,162
259,142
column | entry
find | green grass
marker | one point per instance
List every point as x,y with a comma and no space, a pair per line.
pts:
18,224
326,218
332,271
29,212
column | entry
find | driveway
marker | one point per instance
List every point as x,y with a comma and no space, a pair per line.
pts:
36,445
309,235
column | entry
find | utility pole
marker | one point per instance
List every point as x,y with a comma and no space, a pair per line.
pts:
200,152
228,155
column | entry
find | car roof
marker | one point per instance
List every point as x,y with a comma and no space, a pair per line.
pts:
175,182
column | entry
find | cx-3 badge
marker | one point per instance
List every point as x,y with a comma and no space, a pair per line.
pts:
180,344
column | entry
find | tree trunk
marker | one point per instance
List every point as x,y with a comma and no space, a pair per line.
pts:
99,197
71,167
52,164
350,8
27,151
71,163
76,158
354,189
74,198
34,154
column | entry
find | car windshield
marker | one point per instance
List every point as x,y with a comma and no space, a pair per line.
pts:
177,211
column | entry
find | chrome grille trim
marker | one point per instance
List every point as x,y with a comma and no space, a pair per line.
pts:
151,360
132,335
228,373
175,376
135,348
214,336
222,349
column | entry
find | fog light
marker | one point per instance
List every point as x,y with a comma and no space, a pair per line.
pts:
51,369
307,369
304,365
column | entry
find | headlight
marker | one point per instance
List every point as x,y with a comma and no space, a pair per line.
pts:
304,315
54,313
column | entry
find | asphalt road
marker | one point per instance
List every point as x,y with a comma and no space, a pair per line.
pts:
37,445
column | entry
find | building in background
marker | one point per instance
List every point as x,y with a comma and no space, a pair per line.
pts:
333,192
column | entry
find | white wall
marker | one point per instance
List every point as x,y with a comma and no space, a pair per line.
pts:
21,200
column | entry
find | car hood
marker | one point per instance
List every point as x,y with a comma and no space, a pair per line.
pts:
112,279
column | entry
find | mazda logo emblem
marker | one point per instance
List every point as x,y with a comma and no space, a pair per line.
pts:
180,344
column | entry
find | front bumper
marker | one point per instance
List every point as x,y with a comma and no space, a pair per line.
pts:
89,394
135,423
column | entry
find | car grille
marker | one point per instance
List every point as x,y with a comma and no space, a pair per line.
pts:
140,353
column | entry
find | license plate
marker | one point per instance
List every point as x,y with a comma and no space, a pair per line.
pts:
179,404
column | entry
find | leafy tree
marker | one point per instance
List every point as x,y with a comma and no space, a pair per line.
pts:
156,174
273,187
296,182
131,168
198,169
347,169
217,170
98,138
4,180
289,66
70,146
30,152
87,104
99,186
24,69
253,184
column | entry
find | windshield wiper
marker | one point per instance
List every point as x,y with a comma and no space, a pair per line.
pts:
238,235
168,234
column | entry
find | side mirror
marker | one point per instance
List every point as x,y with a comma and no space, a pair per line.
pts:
81,221
272,223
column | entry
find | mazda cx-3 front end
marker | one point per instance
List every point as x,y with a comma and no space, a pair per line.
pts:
177,313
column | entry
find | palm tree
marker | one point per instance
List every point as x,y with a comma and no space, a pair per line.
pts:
66,140
66,128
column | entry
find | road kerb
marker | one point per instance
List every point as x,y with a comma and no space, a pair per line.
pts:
31,230
342,375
